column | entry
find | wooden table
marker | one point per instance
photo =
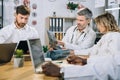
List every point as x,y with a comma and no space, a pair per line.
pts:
8,72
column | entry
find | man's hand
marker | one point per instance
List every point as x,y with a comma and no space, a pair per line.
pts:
60,43
72,52
51,69
73,59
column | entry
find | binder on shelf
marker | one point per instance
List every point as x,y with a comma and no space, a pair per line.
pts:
56,25
57,36
61,24
51,24
61,36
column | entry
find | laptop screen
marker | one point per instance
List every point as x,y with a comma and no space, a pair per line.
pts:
6,52
24,46
36,53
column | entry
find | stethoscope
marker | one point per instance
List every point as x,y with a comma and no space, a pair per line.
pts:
73,35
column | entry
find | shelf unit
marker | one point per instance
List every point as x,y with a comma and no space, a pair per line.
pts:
1,14
59,25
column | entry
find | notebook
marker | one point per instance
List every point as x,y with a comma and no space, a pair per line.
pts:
53,40
6,52
36,54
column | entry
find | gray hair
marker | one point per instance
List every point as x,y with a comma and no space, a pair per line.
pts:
85,12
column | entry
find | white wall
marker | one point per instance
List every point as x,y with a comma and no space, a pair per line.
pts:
46,8
59,6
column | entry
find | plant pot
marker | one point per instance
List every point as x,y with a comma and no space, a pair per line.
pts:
18,62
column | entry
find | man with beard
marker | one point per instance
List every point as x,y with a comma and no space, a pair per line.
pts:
78,37
18,30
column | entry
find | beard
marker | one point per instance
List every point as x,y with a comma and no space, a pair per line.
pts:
80,27
21,25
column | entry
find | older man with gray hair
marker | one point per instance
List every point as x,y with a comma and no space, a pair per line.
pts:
78,37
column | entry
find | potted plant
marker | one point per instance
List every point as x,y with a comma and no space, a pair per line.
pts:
18,58
45,48
72,6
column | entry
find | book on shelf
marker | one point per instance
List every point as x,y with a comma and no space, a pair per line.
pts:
57,36
61,24
51,24
61,36
56,24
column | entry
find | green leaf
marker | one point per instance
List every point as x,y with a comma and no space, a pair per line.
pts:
45,48
19,53
72,6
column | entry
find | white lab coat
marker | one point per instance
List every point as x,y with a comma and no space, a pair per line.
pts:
86,39
11,34
97,68
109,44
103,63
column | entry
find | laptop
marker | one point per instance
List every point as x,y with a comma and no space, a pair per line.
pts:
36,54
23,45
53,40
6,52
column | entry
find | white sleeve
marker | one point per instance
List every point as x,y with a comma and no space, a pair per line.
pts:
82,52
108,69
77,71
92,70
90,51
68,35
114,44
86,43
5,33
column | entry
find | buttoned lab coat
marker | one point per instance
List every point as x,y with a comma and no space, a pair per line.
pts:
86,39
103,63
10,33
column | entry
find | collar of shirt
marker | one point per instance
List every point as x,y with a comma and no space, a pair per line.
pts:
83,31
25,27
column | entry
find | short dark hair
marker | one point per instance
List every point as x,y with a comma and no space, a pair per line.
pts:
22,9
85,12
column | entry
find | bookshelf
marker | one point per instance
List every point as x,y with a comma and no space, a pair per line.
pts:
59,25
